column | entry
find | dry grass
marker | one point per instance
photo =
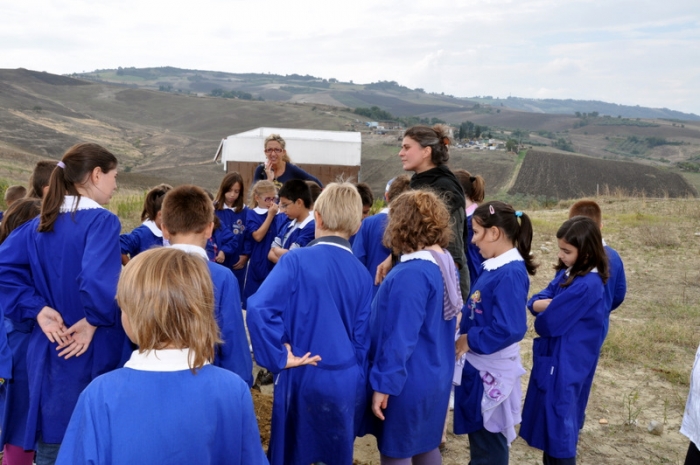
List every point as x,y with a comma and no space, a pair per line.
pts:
653,336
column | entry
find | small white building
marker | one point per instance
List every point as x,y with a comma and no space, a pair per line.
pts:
324,154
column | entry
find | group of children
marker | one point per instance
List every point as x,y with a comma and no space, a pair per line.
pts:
349,357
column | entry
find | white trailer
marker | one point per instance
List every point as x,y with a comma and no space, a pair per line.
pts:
324,154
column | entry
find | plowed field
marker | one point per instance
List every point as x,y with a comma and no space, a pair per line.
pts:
566,176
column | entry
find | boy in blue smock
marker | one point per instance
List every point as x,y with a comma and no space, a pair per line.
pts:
188,220
316,300
295,201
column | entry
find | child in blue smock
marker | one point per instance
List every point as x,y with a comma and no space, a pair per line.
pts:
316,301
615,287
569,320
61,270
15,394
261,230
413,326
494,321
149,233
231,210
368,246
169,404
187,222
474,188
295,202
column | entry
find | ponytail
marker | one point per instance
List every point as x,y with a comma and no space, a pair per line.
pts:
438,138
154,201
524,241
474,187
73,170
516,225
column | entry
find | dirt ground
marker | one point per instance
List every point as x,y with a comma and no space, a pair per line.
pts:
615,443
659,241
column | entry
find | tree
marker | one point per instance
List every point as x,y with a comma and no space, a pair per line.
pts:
511,145
520,134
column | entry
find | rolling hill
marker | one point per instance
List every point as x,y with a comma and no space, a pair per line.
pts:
170,135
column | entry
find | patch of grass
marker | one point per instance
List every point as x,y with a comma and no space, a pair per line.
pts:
638,218
545,226
127,206
663,343
658,236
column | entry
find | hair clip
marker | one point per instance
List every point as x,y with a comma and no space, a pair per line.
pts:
61,165
491,210
518,213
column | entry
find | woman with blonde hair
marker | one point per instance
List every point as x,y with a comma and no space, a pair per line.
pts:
278,167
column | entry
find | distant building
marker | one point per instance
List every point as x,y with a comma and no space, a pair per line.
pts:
324,154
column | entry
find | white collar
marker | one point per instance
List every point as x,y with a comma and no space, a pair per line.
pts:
160,360
154,229
236,210
604,244
260,210
568,271
496,262
384,211
296,224
193,249
85,203
420,255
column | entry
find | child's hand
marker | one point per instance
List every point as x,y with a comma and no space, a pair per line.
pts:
293,361
272,211
220,257
540,306
382,270
240,264
379,403
269,171
51,323
461,346
77,339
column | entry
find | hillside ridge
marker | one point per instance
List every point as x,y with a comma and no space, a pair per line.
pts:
166,136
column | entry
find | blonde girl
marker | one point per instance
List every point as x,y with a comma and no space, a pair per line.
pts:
261,228
135,414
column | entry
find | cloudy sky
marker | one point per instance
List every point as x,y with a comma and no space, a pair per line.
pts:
629,52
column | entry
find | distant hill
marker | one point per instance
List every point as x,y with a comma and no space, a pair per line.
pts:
570,107
388,95
171,135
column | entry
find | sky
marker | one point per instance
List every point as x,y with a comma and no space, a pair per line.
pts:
627,52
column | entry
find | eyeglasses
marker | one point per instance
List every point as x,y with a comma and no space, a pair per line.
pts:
270,199
275,150
284,206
